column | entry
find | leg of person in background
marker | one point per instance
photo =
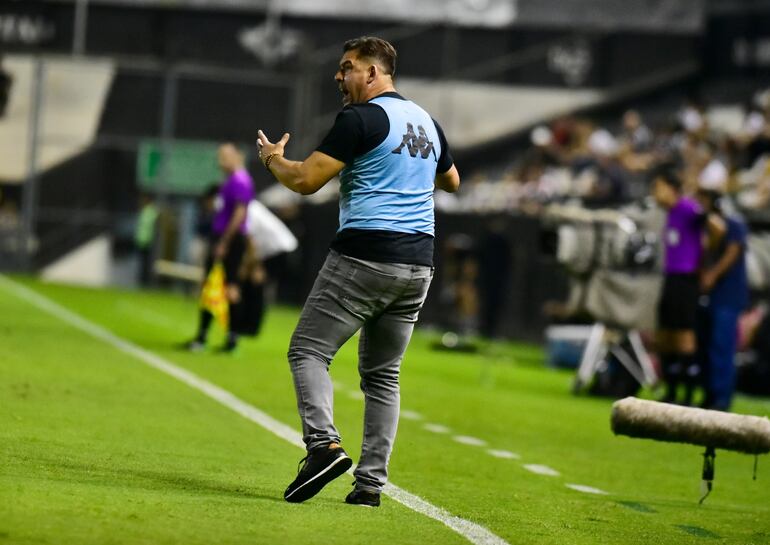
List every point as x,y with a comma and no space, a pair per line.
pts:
252,308
204,323
693,368
721,349
702,337
677,358
205,317
685,346
232,263
672,375
693,377
235,312
145,266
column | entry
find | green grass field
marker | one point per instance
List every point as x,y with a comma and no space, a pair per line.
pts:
97,447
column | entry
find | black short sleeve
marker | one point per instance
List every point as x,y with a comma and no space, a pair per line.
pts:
445,160
344,138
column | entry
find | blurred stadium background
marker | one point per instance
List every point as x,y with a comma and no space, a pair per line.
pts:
555,110
105,99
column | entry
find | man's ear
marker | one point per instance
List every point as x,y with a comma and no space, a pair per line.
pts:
372,73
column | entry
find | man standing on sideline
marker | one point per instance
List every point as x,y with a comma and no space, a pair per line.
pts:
725,282
228,240
390,155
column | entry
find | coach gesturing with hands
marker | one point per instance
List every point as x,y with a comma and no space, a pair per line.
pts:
390,156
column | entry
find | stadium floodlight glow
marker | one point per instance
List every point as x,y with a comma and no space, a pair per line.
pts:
711,429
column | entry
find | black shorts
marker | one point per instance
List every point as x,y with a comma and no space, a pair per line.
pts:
233,258
678,305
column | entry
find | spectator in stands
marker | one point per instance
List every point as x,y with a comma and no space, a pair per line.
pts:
144,236
695,153
543,150
724,280
759,145
636,136
610,187
692,117
228,240
636,143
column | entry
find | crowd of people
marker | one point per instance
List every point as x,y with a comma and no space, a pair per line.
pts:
575,158
706,171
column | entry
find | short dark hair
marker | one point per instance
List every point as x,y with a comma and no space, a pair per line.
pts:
668,174
376,49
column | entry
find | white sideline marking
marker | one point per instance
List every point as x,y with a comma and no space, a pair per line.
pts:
436,428
542,470
410,415
476,534
468,440
586,489
505,454
355,394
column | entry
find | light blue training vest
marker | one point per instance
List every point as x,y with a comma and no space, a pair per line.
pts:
390,188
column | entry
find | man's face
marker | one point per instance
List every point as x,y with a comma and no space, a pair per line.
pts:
663,194
352,77
227,157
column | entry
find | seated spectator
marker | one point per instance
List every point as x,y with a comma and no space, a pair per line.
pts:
636,135
610,186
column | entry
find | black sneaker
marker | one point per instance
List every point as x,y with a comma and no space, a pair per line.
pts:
363,497
322,466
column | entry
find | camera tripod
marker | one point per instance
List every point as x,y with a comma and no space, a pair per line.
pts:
625,344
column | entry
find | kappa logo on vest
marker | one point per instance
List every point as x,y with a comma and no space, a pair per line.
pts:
416,143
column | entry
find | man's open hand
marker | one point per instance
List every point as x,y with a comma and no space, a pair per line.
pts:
267,148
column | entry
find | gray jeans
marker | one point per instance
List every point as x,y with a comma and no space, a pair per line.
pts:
383,301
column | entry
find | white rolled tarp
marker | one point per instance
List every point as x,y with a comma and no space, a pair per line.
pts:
666,422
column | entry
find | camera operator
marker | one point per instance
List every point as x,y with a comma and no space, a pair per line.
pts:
725,280
678,304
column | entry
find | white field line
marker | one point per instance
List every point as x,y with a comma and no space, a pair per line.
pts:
539,469
586,489
471,531
468,440
410,415
504,454
436,428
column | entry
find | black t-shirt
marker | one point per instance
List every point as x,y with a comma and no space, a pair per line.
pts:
358,129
